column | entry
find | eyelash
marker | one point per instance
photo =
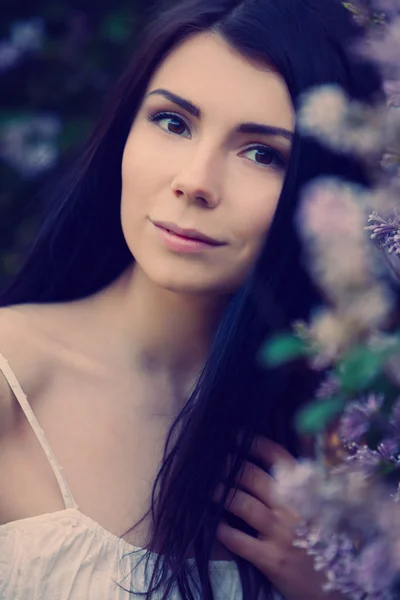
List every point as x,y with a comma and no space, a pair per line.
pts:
278,160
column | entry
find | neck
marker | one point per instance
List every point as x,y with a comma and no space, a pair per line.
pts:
155,330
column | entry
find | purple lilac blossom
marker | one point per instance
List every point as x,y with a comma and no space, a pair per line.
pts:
368,459
365,575
386,232
299,486
352,127
384,50
395,416
356,418
374,569
329,387
389,7
354,424
359,560
388,449
353,527
392,89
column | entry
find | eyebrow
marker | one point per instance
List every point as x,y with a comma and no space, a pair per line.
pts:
252,128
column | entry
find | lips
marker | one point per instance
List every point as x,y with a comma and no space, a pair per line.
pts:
192,234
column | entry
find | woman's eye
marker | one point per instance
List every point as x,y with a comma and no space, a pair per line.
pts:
264,155
170,122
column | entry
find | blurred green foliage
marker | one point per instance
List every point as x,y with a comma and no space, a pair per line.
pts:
58,61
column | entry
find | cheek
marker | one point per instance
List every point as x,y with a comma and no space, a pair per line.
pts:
250,228
135,164
137,179
254,220
140,160
133,209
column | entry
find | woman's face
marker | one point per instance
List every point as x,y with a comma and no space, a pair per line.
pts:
207,152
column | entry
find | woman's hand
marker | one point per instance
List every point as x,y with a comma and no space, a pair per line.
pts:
289,569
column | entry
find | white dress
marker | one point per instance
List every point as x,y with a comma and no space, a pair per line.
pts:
66,555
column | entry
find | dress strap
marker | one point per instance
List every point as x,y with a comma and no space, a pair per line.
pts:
23,402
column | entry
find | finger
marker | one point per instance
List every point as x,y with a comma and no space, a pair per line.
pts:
250,510
262,486
270,558
257,482
269,452
286,525
242,544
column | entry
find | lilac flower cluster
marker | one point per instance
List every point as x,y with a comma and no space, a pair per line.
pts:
371,132
346,126
328,387
356,543
331,221
385,231
351,513
366,575
350,520
385,49
357,417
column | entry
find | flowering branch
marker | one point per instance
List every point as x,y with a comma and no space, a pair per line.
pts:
348,498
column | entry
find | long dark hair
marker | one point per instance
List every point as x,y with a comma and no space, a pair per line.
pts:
307,41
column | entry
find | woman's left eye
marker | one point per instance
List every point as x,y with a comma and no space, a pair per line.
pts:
266,156
174,123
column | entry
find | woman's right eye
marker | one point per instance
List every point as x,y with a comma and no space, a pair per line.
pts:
173,123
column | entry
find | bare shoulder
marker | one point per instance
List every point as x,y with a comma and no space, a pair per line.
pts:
36,338
37,342
22,354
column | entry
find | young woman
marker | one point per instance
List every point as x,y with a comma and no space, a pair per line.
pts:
168,255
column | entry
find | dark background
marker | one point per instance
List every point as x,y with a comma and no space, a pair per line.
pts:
58,62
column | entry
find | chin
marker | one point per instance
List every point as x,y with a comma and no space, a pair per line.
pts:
185,287
180,279
188,285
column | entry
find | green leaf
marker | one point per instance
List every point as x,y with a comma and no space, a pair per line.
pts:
282,349
360,366
315,417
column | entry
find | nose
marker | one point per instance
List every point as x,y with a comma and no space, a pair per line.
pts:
198,181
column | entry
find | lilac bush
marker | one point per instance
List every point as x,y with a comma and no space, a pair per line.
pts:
348,496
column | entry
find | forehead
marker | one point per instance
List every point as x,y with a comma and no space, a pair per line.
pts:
205,69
